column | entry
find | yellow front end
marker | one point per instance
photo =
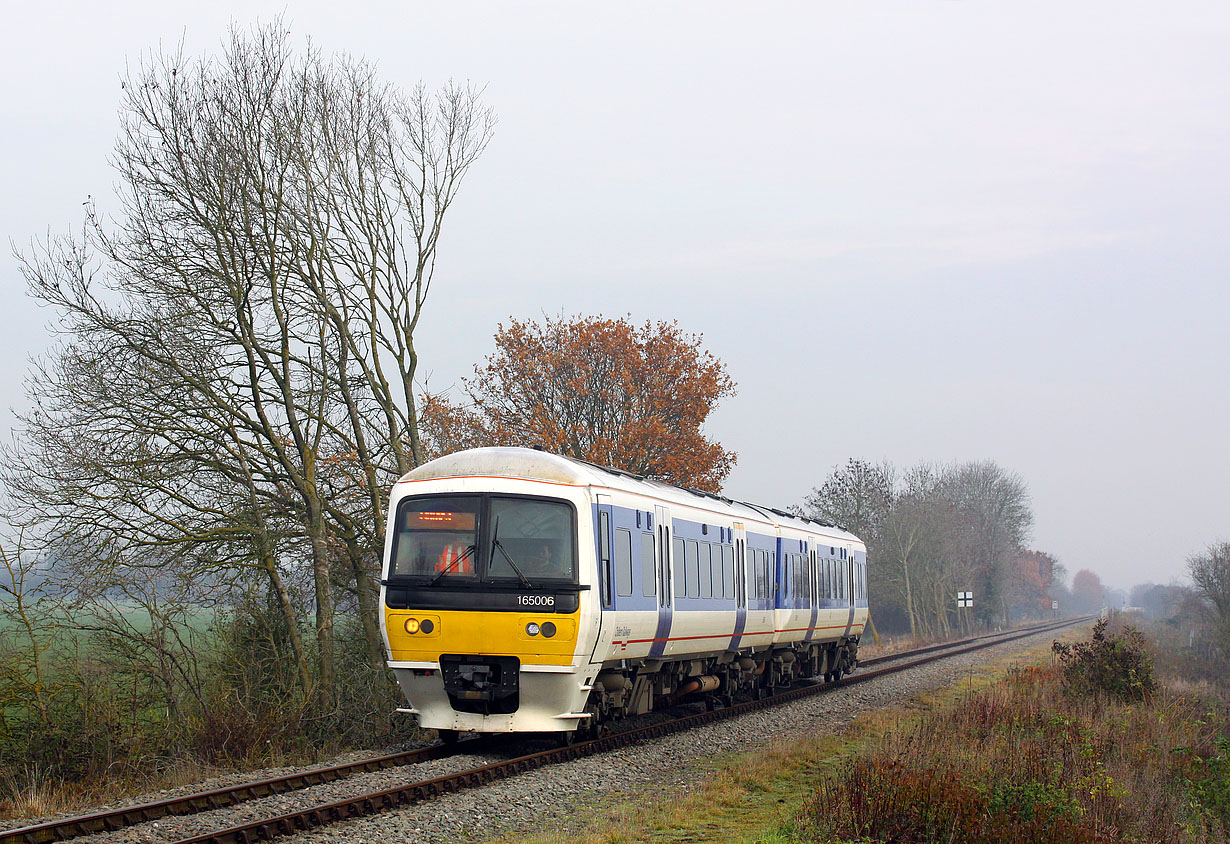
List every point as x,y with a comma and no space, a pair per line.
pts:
488,633
428,647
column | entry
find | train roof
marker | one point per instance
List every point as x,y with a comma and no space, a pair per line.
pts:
532,464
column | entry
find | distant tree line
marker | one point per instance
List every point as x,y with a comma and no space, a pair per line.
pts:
933,531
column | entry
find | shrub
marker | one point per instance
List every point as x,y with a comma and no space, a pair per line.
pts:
1114,663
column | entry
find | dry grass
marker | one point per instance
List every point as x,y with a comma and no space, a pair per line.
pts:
1027,760
34,791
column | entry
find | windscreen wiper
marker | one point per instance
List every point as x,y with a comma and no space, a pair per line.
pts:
495,543
453,564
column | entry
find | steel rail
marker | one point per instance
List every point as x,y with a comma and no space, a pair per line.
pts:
362,805
1037,628
203,801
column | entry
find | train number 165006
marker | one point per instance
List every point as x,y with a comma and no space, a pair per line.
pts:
536,600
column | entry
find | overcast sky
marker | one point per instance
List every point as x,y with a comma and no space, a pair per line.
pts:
913,231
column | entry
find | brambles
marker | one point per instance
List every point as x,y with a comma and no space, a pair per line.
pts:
1208,779
894,802
1115,663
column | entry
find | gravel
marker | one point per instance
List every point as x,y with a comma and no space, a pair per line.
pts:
550,797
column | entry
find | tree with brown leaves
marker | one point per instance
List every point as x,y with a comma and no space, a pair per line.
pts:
599,389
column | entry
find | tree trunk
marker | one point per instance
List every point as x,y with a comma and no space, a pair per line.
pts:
289,618
324,601
368,609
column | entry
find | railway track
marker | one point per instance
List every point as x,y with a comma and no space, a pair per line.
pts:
366,804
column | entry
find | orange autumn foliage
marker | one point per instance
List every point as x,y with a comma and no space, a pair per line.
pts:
1034,573
598,389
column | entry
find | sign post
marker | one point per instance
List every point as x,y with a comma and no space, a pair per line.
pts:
965,600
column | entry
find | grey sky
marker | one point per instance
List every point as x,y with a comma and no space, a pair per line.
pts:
913,231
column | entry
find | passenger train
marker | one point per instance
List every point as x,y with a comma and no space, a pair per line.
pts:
525,591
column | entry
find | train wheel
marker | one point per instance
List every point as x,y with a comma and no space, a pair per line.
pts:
570,737
448,736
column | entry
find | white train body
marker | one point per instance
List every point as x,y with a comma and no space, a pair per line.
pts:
525,591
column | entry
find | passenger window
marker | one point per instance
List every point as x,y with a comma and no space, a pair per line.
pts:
728,570
677,556
706,570
693,569
649,576
753,572
623,562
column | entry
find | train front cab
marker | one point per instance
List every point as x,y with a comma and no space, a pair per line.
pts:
486,601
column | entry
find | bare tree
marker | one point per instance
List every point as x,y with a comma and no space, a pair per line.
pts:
932,531
995,518
1210,574
912,543
858,496
239,345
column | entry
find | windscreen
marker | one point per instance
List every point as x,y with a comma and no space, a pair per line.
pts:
461,539
532,536
437,536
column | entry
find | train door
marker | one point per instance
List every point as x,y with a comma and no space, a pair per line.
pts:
662,561
740,543
603,530
847,571
813,588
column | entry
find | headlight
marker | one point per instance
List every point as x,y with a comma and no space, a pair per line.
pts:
548,629
412,626
532,628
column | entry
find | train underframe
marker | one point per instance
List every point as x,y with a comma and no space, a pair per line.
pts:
635,687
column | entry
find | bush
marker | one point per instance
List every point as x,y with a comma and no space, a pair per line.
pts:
1114,663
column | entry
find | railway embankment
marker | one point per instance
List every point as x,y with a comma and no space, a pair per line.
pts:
1026,746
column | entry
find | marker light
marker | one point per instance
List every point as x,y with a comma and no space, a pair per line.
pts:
427,626
412,625
548,629
532,628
